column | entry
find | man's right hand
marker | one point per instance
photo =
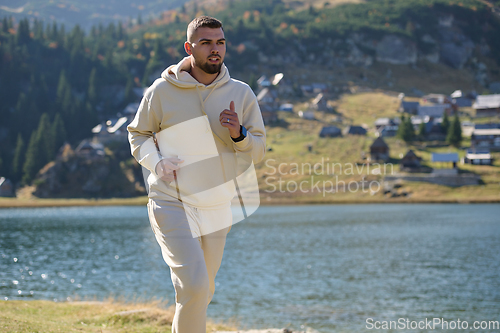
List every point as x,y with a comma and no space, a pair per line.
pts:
166,167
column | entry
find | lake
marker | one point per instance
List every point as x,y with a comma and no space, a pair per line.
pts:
327,268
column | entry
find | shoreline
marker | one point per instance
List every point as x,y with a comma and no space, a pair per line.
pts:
142,201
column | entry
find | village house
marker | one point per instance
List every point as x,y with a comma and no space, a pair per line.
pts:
433,129
410,162
487,105
313,89
445,159
320,103
386,127
330,132
111,130
6,188
461,101
388,131
283,87
269,115
90,150
354,130
275,83
486,138
434,111
382,122
478,157
263,82
266,96
436,99
309,115
408,107
379,150
440,99
487,126
288,107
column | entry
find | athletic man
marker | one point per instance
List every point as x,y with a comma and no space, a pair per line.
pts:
199,116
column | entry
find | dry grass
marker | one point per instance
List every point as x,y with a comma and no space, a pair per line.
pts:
364,108
106,317
36,202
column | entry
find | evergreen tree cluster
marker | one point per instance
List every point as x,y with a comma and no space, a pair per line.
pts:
72,76
55,85
453,130
405,129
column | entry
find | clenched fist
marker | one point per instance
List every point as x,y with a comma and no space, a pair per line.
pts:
166,167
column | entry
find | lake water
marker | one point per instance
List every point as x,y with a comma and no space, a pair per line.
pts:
326,268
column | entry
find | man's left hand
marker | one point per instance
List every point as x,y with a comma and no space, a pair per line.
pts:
229,119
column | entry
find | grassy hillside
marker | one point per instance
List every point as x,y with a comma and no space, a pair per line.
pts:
289,142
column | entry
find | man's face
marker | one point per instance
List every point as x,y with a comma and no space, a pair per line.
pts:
208,48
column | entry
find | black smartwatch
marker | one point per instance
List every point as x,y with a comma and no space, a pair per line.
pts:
243,134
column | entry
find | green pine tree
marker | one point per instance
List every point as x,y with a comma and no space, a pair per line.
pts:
121,32
445,124
17,162
401,128
454,135
406,131
421,130
129,93
5,25
30,166
62,85
58,133
22,106
23,32
38,30
92,89
158,60
410,131
312,11
54,33
45,140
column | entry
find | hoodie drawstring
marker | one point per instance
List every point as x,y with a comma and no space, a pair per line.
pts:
202,102
203,110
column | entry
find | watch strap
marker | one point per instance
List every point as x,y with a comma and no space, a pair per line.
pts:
242,136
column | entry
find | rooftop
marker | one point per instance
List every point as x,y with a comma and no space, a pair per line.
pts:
478,156
486,131
487,102
444,157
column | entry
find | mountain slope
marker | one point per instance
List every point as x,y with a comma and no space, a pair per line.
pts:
86,13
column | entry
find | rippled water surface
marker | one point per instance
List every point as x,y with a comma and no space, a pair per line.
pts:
324,267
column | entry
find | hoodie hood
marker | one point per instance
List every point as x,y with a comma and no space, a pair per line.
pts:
178,75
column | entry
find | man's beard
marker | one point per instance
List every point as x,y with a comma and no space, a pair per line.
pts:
210,68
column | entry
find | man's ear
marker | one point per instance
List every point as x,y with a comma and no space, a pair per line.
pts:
187,48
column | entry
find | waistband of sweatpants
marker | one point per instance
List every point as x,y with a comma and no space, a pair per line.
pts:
177,203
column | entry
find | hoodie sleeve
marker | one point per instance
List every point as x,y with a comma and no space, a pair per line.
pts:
255,142
140,135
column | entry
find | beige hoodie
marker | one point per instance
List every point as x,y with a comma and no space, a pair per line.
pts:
185,114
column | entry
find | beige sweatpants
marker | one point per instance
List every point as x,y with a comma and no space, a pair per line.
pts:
193,262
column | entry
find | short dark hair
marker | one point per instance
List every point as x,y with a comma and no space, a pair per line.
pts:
202,22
